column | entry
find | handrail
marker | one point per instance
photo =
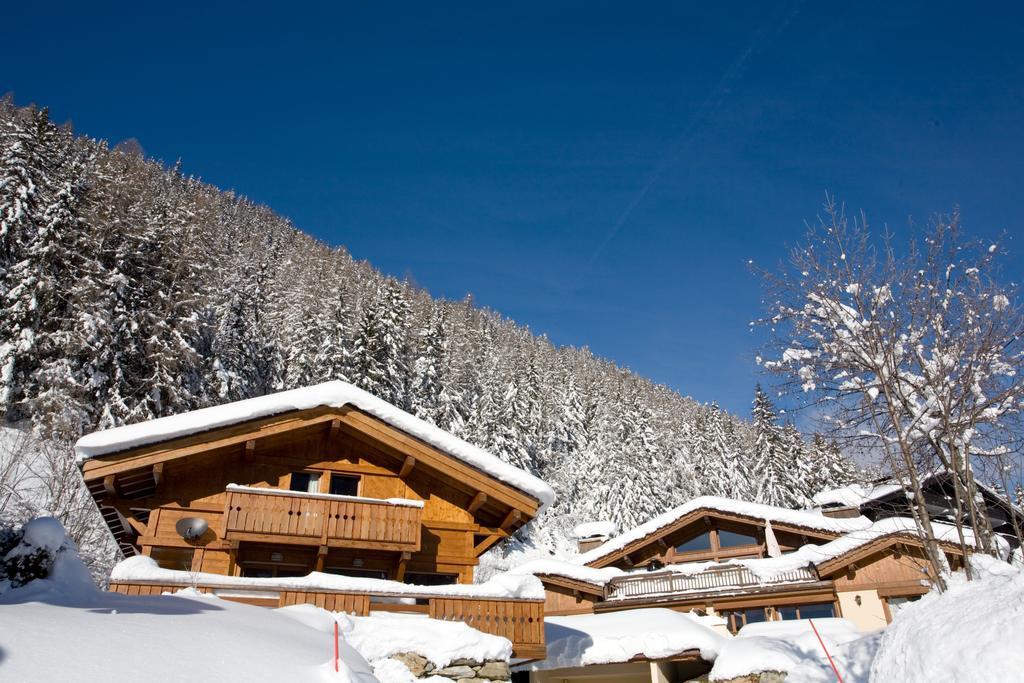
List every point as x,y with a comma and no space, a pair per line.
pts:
714,580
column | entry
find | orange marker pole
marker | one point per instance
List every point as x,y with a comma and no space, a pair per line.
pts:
336,638
834,669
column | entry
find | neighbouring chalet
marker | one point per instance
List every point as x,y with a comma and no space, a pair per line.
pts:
736,562
325,495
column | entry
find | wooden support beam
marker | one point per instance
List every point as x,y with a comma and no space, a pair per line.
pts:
249,451
321,555
403,560
335,430
662,544
485,544
139,527
478,500
407,466
628,560
110,485
158,473
511,518
232,557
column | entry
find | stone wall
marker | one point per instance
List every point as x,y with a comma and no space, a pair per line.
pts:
460,671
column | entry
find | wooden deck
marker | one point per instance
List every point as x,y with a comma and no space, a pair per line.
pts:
521,621
311,520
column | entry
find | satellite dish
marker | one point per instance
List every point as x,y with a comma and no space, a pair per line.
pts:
191,528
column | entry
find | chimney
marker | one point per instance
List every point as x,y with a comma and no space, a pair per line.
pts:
589,535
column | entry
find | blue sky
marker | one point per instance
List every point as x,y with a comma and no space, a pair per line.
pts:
601,172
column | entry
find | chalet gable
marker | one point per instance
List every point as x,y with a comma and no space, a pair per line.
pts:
710,527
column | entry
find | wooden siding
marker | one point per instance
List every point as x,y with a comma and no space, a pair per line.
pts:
283,518
521,621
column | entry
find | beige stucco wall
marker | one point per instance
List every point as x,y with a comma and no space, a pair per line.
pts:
869,615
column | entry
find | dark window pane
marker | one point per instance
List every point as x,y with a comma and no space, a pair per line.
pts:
344,485
698,543
257,572
728,539
821,610
787,613
755,615
425,579
291,571
300,481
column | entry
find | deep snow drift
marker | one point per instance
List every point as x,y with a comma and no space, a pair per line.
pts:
63,628
974,631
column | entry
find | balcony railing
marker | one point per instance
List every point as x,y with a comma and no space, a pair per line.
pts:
662,584
277,516
519,620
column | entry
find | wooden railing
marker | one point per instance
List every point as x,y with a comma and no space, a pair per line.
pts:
712,581
280,517
521,621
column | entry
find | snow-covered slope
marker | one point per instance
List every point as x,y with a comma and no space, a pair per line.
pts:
63,628
335,394
972,632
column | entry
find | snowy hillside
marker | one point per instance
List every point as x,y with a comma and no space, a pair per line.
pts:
131,292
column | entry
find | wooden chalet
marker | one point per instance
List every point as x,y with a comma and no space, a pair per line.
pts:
325,479
688,560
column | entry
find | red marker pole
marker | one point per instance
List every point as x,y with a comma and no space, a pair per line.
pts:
834,669
336,638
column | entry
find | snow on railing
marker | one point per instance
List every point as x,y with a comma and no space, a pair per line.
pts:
712,581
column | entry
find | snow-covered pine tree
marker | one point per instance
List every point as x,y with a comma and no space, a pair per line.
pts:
771,460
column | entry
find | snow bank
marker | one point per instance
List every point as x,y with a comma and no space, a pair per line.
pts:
143,569
335,394
971,632
798,518
612,637
67,574
64,628
401,502
379,636
793,648
569,570
602,529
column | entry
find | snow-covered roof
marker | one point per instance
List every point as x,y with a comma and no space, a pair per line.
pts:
381,635
263,490
335,394
612,637
855,495
769,568
142,569
797,518
568,570
602,529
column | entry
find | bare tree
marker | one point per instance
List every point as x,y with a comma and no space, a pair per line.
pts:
915,354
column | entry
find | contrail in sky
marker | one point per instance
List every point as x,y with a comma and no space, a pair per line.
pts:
708,107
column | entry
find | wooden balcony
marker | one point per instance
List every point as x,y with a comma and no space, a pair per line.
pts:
519,620
666,584
276,516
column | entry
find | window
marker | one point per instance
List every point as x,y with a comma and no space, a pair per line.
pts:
262,570
430,579
729,539
695,544
344,485
818,610
739,618
307,482
173,558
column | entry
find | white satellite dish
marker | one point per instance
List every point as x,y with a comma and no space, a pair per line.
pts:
191,528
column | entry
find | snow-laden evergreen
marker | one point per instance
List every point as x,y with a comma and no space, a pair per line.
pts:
131,291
